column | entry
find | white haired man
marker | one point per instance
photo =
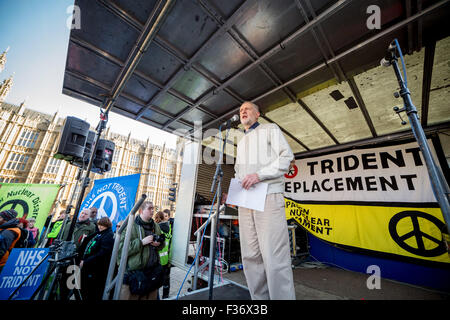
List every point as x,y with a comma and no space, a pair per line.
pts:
263,155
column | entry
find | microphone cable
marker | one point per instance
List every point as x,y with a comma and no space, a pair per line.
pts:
405,80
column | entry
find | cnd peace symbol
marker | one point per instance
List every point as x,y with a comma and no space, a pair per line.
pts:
416,235
106,199
19,205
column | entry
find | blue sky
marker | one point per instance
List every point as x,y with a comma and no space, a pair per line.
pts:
36,32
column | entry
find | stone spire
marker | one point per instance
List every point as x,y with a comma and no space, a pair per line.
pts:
5,87
3,59
21,108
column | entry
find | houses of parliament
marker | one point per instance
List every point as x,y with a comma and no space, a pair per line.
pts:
29,139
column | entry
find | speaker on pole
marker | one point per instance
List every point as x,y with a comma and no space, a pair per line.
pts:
103,156
72,140
83,162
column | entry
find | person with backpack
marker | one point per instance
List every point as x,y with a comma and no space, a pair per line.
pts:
9,234
165,253
144,274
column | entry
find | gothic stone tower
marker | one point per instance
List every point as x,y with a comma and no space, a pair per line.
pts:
6,85
3,59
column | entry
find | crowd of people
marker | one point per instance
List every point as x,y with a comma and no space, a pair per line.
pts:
148,251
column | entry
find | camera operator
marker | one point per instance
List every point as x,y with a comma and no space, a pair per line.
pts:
144,274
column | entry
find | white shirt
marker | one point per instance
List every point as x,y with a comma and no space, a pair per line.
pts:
264,151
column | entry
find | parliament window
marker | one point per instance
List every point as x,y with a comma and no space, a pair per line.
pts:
170,168
17,162
116,155
28,138
53,166
154,163
151,180
135,159
9,180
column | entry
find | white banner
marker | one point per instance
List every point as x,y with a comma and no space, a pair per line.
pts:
382,174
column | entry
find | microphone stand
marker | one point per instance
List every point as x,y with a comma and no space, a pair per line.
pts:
438,184
218,177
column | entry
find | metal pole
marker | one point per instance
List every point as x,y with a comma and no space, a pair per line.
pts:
438,185
69,207
123,258
218,176
43,239
112,262
112,266
194,285
130,66
212,244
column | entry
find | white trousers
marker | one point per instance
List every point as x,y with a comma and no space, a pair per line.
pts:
265,251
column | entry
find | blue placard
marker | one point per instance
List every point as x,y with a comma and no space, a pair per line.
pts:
113,197
19,265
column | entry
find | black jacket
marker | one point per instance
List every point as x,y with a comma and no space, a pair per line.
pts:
165,226
98,252
7,236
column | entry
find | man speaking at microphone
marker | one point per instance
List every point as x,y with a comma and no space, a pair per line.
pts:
263,155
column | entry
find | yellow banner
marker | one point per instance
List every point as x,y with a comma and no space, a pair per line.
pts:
406,231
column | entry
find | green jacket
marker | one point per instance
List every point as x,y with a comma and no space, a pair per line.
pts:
85,227
138,255
55,229
165,254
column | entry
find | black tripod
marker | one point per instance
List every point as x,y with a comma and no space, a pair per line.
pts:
62,254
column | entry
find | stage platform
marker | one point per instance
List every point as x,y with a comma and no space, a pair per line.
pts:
225,291
312,282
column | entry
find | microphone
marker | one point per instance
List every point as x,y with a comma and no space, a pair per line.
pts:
387,60
231,120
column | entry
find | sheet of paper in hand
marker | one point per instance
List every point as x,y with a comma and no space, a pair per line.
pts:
253,198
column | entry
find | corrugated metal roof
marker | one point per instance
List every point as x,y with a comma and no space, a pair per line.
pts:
206,57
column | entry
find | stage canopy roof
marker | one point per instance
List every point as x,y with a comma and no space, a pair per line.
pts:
313,67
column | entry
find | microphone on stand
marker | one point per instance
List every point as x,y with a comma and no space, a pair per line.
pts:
387,60
231,120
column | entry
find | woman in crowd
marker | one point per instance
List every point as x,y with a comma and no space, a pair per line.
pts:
33,229
95,263
164,254
26,239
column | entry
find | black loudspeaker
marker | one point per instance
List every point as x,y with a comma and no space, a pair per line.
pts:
87,151
103,156
72,139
